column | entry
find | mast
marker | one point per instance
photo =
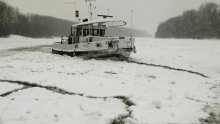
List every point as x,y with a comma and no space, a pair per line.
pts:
131,23
76,11
90,8
108,11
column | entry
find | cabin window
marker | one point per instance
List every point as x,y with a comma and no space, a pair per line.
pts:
94,32
98,45
90,39
85,32
110,46
76,46
102,32
70,39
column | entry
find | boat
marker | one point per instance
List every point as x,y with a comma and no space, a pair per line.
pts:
88,39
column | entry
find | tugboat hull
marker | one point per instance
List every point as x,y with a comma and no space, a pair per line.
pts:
122,53
109,47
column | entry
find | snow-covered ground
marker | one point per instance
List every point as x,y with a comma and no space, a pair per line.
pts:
15,41
39,87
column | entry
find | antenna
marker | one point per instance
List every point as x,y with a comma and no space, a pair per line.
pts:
108,11
131,23
90,7
76,11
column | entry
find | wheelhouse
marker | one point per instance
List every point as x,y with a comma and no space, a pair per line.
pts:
84,31
91,31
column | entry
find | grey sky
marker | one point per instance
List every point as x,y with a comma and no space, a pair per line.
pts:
147,13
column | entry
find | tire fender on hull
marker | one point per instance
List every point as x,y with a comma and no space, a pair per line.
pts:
113,47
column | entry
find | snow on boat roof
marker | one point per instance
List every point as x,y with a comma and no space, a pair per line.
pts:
100,21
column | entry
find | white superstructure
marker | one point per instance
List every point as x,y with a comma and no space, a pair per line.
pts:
89,39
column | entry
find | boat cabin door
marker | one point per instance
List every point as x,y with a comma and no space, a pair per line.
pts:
75,34
78,34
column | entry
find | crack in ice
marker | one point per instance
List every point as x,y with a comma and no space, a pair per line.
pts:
13,91
201,101
168,67
124,99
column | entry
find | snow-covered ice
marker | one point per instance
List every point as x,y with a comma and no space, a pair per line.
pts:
5,87
98,88
35,105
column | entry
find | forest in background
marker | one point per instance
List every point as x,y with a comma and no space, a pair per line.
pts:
126,32
196,24
32,25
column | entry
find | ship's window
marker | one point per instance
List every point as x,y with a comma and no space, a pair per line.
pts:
102,32
90,39
70,39
80,32
76,46
98,45
95,32
110,45
98,31
85,32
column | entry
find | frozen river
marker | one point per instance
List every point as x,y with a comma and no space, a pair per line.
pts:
166,81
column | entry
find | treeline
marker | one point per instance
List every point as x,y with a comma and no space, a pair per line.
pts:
198,24
31,25
126,32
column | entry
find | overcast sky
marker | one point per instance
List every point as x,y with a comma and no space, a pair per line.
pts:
146,16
